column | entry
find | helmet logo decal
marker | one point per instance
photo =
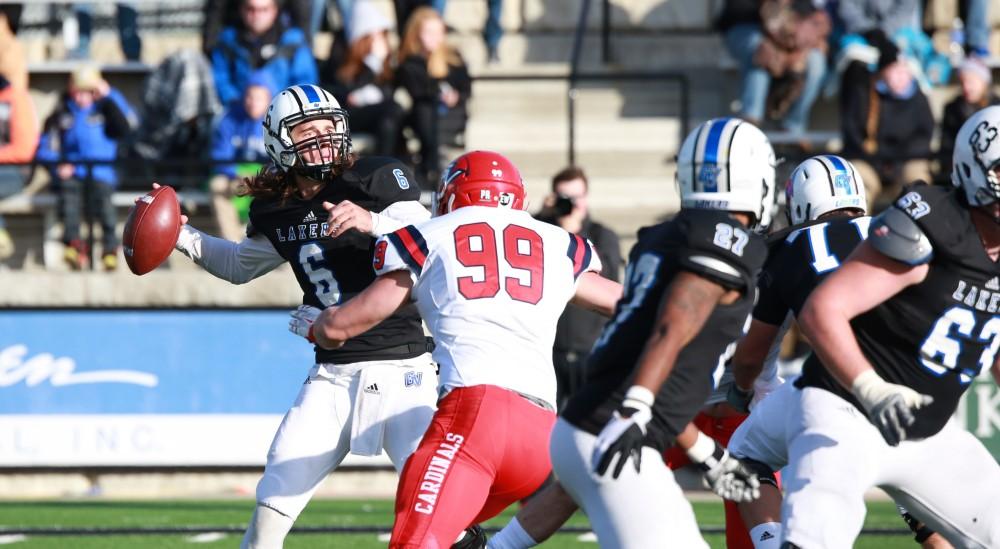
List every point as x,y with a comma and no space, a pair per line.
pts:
982,137
842,183
708,176
484,195
506,199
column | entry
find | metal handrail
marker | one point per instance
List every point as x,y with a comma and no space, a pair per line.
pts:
575,76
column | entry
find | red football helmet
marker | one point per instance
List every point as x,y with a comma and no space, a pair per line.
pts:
480,178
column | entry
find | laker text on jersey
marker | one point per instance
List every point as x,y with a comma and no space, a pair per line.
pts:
986,300
308,231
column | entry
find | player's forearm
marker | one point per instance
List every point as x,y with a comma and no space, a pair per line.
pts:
829,331
687,438
597,293
685,308
363,312
219,256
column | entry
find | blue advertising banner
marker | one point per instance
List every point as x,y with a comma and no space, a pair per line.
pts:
146,387
149,362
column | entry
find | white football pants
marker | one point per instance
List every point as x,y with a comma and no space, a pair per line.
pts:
315,435
949,481
642,510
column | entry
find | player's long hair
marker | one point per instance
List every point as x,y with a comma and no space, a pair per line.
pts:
271,183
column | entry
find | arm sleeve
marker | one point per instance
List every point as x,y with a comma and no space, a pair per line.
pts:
405,249
234,262
397,216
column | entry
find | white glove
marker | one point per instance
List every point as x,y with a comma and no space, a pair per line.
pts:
726,475
302,321
624,433
890,406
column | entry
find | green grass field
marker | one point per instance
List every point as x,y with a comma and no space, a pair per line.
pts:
320,513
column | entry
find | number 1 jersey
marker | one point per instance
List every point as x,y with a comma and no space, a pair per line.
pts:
333,270
491,284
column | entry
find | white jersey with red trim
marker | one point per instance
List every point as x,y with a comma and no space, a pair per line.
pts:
491,284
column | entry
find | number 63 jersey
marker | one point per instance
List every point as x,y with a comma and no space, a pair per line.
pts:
491,284
937,335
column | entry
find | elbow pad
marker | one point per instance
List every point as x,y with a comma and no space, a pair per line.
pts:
897,235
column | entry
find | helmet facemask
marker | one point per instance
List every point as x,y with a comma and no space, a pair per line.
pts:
320,157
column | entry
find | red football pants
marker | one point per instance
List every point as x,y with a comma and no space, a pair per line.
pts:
486,447
720,429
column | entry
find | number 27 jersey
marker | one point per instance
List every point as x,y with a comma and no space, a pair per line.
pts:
491,284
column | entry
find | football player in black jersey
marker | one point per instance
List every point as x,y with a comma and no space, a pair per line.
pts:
319,209
826,206
899,333
689,290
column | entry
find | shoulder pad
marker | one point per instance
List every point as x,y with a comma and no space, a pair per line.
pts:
896,235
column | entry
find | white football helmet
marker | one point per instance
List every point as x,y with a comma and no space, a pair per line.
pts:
822,184
297,104
728,164
977,157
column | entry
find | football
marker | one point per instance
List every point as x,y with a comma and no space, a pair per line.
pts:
151,230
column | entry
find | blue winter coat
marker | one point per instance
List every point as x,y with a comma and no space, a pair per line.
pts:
288,61
73,134
237,138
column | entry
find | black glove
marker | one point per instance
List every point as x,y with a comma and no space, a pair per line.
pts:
624,434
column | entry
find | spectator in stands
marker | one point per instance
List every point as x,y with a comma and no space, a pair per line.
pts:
128,30
977,22
781,49
319,13
18,139
264,43
881,22
220,14
363,81
578,328
492,30
12,57
435,76
976,93
238,139
86,125
887,126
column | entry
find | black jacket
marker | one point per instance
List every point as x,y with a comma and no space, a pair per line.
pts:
903,128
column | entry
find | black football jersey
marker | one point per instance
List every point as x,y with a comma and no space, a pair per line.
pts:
706,242
797,263
333,270
935,336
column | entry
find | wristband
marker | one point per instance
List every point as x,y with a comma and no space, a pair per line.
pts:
703,449
639,395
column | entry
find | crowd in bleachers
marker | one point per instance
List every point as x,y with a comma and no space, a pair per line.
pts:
879,60
209,105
